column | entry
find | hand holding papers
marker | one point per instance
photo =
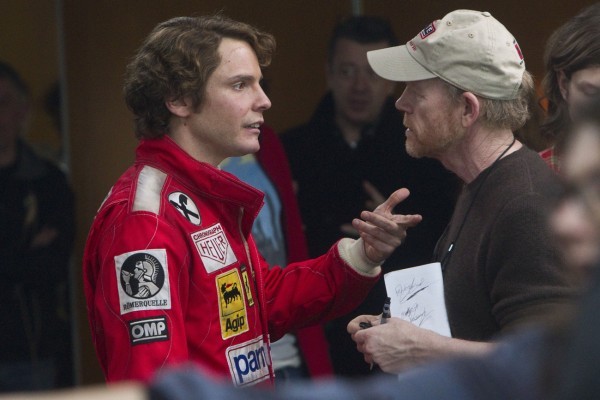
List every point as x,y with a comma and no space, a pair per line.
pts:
417,296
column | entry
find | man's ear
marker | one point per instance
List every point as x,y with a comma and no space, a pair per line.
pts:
181,107
470,110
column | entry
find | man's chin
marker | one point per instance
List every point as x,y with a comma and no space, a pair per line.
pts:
414,152
251,148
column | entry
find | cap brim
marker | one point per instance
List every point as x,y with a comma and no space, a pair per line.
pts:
396,64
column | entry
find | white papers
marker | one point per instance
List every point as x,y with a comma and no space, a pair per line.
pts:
418,296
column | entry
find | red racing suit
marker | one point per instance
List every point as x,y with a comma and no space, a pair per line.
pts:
172,274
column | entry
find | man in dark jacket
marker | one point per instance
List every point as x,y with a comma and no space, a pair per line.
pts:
351,154
36,238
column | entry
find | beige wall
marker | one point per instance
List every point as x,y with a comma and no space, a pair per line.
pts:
101,37
29,43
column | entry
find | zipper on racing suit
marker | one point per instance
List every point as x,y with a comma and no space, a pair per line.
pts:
259,293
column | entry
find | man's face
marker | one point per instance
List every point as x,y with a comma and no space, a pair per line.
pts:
358,92
13,113
576,219
583,85
228,120
432,121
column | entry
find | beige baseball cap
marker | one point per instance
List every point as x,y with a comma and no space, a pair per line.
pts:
468,49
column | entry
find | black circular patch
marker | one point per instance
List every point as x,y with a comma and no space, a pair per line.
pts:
142,276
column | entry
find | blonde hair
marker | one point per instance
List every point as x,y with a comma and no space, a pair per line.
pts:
502,114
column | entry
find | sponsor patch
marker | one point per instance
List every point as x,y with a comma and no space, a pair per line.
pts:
428,30
214,248
247,286
248,362
148,330
232,307
143,280
185,206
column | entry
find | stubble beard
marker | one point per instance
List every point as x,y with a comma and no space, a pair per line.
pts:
434,146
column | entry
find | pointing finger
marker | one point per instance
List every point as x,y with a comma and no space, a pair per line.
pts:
395,198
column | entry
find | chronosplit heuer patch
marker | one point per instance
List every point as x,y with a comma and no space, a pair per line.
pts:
143,280
213,248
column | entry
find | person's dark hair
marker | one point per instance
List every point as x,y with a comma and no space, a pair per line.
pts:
363,29
8,72
572,47
176,60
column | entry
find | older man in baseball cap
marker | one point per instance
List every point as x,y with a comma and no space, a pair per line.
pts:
466,93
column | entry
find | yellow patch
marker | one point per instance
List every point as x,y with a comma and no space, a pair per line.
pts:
232,307
247,286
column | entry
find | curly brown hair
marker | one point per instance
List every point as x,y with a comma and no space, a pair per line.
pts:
176,60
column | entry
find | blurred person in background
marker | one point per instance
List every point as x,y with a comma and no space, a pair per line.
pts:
279,236
572,59
37,228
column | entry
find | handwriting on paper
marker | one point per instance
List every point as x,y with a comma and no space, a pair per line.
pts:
418,297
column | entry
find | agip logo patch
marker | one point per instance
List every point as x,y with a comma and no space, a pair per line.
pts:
213,248
232,307
143,280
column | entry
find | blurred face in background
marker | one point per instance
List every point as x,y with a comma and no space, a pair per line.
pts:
13,113
358,93
576,219
582,86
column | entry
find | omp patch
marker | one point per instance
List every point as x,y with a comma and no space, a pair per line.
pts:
214,248
232,307
148,330
248,362
143,280
185,206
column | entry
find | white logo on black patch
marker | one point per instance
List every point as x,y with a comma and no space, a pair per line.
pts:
185,206
143,280
148,330
142,276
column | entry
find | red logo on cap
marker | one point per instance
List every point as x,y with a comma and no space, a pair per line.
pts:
429,29
519,52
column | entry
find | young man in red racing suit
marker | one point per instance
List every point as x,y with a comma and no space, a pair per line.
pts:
171,272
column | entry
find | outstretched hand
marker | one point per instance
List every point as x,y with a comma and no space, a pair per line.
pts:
381,230
374,198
